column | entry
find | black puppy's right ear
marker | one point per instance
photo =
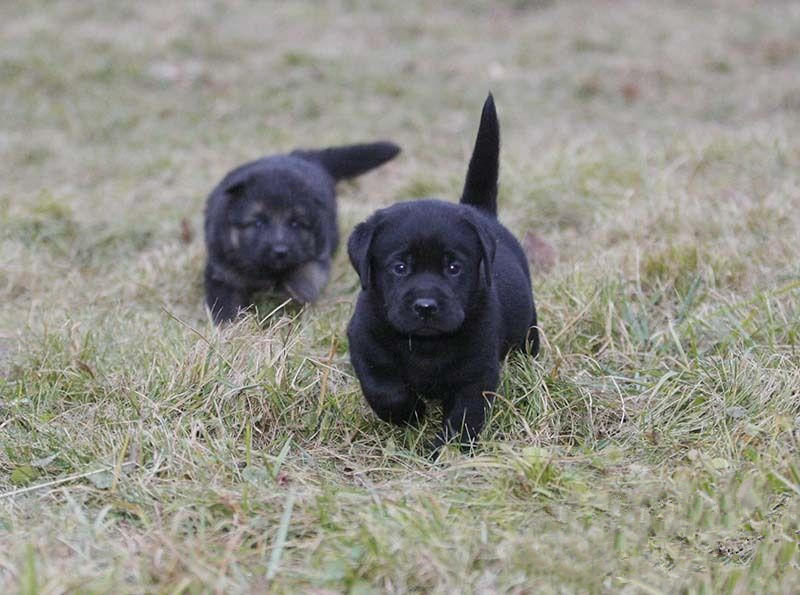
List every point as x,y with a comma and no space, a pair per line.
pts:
358,249
488,246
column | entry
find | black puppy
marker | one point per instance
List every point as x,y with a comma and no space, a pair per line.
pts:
446,292
271,224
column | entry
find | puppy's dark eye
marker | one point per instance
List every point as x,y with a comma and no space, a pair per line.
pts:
401,269
257,223
453,269
298,224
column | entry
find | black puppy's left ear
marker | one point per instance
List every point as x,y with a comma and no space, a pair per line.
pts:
358,249
488,249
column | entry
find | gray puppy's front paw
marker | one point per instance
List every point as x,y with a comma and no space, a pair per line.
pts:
306,283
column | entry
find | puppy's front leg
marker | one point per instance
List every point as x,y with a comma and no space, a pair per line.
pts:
387,394
306,282
465,415
394,403
224,300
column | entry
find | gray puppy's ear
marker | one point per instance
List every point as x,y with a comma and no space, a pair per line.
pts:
488,245
358,249
233,191
235,186
236,181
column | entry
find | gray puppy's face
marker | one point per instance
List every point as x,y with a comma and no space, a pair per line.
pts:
271,234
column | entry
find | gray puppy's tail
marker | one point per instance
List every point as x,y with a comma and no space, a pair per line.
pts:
350,161
480,187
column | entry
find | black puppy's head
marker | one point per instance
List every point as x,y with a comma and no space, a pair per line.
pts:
271,222
427,265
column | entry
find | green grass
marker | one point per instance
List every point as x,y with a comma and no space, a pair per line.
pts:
653,447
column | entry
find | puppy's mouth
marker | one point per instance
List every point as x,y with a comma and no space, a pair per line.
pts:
425,318
426,332
274,268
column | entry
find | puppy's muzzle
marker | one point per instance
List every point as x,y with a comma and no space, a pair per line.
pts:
425,308
276,257
279,251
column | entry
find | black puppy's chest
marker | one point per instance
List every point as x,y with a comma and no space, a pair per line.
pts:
427,371
432,368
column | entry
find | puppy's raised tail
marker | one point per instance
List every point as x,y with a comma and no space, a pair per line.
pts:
480,188
350,161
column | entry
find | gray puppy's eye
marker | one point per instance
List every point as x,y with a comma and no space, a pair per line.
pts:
298,224
401,269
453,268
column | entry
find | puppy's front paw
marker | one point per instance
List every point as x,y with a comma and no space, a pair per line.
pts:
224,301
402,410
306,283
442,442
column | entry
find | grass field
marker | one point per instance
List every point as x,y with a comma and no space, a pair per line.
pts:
652,148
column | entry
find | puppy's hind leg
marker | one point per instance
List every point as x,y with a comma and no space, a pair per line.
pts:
306,282
531,341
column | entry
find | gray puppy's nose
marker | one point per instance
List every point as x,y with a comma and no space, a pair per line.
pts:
425,307
280,250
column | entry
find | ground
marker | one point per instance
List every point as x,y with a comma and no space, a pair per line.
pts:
650,158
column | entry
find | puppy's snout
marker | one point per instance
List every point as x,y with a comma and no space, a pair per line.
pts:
425,308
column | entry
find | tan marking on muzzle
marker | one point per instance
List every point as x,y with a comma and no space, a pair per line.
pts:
234,237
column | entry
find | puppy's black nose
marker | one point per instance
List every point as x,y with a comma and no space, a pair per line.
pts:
425,307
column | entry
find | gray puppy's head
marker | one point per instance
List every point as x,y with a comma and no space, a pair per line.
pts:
273,215
275,218
270,232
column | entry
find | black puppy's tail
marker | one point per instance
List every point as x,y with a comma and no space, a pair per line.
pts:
480,188
351,160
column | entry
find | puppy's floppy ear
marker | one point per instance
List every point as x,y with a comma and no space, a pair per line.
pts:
358,249
235,183
488,246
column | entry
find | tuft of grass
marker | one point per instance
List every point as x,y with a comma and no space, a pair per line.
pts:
652,447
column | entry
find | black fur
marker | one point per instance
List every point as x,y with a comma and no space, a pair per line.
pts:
271,224
446,293
480,187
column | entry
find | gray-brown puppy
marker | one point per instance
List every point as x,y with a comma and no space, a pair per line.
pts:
271,224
